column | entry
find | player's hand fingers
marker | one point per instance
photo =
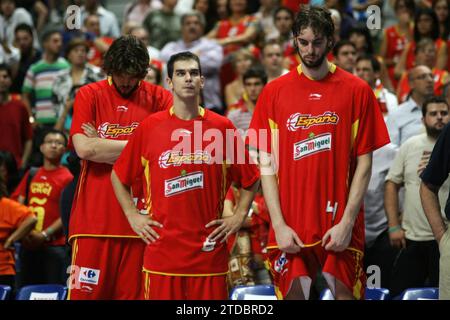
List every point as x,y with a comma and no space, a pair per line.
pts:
218,233
297,240
151,231
150,235
331,245
214,222
325,238
151,222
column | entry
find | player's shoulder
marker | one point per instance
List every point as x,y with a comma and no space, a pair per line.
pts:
350,81
153,90
281,81
155,118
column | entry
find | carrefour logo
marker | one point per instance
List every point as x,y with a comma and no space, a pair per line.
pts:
88,275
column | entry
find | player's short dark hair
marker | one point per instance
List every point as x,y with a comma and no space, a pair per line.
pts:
24,27
182,56
5,67
376,66
54,131
430,100
255,72
127,55
47,34
316,18
341,43
282,8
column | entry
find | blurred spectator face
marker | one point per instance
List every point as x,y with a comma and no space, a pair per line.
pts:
202,6
142,35
346,58
92,24
253,88
268,3
436,118
242,63
424,24
78,55
283,22
23,41
427,56
402,12
421,80
222,9
7,7
364,70
191,29
238,6
53,44
358,40
5,82
272,57
53,146
170,3
441,9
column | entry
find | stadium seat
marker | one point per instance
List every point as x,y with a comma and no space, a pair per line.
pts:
371,294
4,292
377,294
258,292
42,292
419,294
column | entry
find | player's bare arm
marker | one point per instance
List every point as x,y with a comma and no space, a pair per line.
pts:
432,208
391,206
230,225
287,239
338,237
97,149
141,224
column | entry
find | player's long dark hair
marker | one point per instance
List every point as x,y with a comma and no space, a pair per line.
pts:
127,55
317,18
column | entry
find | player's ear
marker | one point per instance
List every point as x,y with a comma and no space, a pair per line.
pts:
202,81
169,83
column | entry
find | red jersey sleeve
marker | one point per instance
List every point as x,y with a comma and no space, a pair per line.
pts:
165,99
82,110
129,165
371,128
259,135
242,171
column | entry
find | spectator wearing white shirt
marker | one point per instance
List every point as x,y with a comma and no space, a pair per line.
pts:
109,27
209,52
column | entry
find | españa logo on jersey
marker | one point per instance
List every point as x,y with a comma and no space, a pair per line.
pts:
173,158
312,145
183,183
304,121
113,130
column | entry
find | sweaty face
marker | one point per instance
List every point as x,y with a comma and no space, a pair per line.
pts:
311,48
125,84
186,81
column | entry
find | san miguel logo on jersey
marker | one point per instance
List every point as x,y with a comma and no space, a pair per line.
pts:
177,158
312,145
113,130
183,183
304,121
